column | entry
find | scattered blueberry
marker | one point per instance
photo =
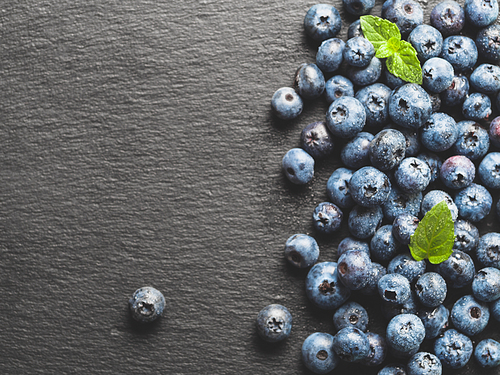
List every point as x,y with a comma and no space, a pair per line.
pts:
351,344
309,81
405,333
424,363
345,117
363,222
323,288
146,304
487,353
316,140
330,55
369,187
337,188
350,314
301,250
457,172
286,103
274,323
354,268
327,218
338,86
387,149
322,22
469,315
448,17
473,202
298,166
486,284
430,289
453,349
355,153
317,353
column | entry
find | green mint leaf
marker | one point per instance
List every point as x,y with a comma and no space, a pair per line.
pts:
378,31
389,48
434,237
404,63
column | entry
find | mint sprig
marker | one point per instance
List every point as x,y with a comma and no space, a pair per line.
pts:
434,237
401,57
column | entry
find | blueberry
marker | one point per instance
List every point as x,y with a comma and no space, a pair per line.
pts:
412,140
410,106
383,245
338,86
298,166
486,79
406,14
427,41
327,218
330,55
393,369
369,187
488,250
394,288
399,202
453,349
430,289
323,288
390,310
322,22
433,197
412,175
494,131
404,227
489,170
437,74
434,319
346,117
358,52
354,29
374,98
439,132
486,284
363,222
351,344
448,17
316,140
376,272
472,141
309,81
473,203
301,250
460,51
456,93
358,7
378,350
337,188
405,333
350,314
424,363
481,13
487,353
350,243
477,107
317,353
367,75
466,236
355,153
488,43
274,323
469,315
393,81
434,163
457,172
146,304
387,149
495,310
354,268
405,265
458,270
286,103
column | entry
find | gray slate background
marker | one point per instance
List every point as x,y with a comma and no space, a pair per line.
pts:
138,148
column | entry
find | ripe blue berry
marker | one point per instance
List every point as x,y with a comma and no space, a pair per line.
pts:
345,117
322,22
494,130
330,55
469,315
374,98
466,236
439,132
355,153
354,29
448,17
376,272
327,218
437,74
456,93
378,350
430,289
286,103
323,288
486,284
387,149
317,353
424,363
474,202
406,14
453,349
274,323
369,187
404,227
363,222
488,250
301,250
146,304
488,43
383,245
350,314
358,52
405,333
399,202
338,86
394,288
489,170
412,175
337,188
434,319
350,243
358,7
405,265
410,106
472,141
393,369
351,344
433,197
486,79
487,353
367,75
434,163
298,166
460,51
477,107
457,172
309,81
353,269
458,270
427,41
316,140
481,13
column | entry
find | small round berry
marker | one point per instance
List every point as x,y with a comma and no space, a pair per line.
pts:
369,187
358,52
387,149
351,344
448,17
286,103
487,353
430,289
453,349
477,107
399,202
404,227
405,265
350,243
469,315
393,369
316,140
317,353
474,202
433,197
378,350
375,99
424,363
494,131
439,132
367,75
363,222
350,314
338,86
301,250
413,175
460,51
486,284
274,323
355,153
437,74
327,218
488,250
410,106
346,117
353,269
383,245
434,319
298,166
329,55
309,81
457,172
486,79
405,333
322,22
337,188
472,141
488,43
481,13
489,170
147,304
456,93
427,41
434,163
358,7
323,288
394,288
406,14
458,270
466,236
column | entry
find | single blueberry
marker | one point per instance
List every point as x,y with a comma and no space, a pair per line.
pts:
469,315
477,107
460,51
434,319
393,369
322,22
487,353
330,55
323,288
351,344
274,323
434,163
457,172
488,43
338,86
466,236
345,117
301,250
350,314
424,363
337,188
309,81
489,170
404,227
350,243
472,141
427,41
458,270
383,246
494,130
369,187
406,14
286,103
439,132
353,269
146,304
405,333
437,74
448,17
387,149
486,284
399,202
355,153
412,175
298,166
374,98
486,79
453,349
405,265
354,29
376,272
481,13
378,350
367,75
317,353
474,202
394,288
456,93
410,106
327,218
430,289
358,52
363,222
317,140
488,250
433,197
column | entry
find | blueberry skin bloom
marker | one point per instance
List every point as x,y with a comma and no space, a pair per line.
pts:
434,319
412,140
481,13
286,103
433,197
488,250
489,170
369,187
375,99
309,81
460,51
410,106
495,310
448,17
477,107
367,75
329,55
486,79
406,14
474,202
457,172
301,250
337,188
298,166
327,218
393,369
338,86
486,284
354,29
437,74
399,202
322,22
350,314
487,353
413,175
394,288
469,315
323,288
453,349
387,149
404,227
356,153
383,245
363,222
488,43
431,289
316,140
494,130
434,163
405,333
358,52
274,323
146,304
472,141
376,272
350,243
456,93
439,133
424,363
354,268
346,117
466,236
405,265
358,7
351,344
317,353
378,350
458,270
427,41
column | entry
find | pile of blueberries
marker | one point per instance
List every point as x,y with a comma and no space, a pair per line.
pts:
399,142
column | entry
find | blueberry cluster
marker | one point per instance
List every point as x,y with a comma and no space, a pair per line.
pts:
405,148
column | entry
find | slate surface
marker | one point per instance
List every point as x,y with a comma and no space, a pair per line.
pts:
137,148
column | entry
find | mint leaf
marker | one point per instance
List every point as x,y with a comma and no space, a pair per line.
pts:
404,64
389,48
434,237
378,31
